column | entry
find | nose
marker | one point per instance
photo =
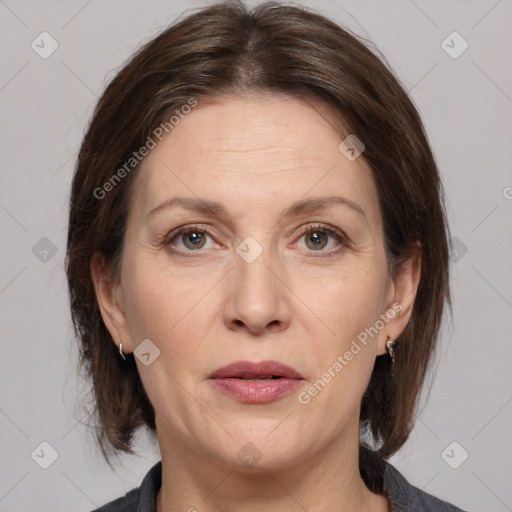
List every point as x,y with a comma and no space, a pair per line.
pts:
257,297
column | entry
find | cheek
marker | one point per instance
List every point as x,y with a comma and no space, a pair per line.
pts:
349,302
149,310
349,306
152,295
168,307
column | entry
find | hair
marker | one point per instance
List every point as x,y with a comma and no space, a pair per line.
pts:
229,49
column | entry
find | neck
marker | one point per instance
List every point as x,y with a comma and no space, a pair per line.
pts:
328,481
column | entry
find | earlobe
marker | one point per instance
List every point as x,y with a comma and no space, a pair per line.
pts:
110,301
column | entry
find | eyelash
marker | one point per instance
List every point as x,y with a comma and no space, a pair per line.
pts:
339,235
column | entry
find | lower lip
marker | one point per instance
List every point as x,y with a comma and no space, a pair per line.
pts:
256,392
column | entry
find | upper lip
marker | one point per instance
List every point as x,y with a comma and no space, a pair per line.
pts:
250,370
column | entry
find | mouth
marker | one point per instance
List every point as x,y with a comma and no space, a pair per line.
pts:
262,371
256,383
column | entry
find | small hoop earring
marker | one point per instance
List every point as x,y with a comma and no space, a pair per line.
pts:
390,348
121,350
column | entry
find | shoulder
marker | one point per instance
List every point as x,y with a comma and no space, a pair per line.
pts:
380,476
139,499
127,503
406,497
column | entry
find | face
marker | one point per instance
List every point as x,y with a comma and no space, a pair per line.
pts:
269,273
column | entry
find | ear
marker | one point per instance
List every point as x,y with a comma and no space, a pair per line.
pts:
109,295
400,298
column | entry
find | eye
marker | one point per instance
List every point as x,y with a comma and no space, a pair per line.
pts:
317,237
192,238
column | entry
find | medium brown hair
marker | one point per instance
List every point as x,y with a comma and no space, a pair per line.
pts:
274,48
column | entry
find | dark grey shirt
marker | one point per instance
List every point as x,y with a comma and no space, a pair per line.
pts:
377,473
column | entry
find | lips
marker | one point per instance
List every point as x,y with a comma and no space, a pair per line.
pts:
248,370
256,383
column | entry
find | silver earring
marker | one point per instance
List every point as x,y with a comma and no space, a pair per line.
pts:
390,346
121,350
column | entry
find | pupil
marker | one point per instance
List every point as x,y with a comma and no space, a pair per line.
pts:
195,236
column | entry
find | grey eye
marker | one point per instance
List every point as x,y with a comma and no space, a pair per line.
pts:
193,239
318,239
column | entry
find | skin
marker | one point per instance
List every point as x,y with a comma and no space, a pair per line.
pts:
256,155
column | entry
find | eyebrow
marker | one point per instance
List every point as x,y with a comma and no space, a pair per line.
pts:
299,207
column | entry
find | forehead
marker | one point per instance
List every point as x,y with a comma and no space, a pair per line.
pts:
253,151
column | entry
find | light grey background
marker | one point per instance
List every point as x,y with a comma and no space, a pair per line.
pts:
466,104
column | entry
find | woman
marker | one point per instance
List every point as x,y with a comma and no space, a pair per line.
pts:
258,266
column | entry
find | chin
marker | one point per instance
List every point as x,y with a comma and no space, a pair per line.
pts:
255,454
